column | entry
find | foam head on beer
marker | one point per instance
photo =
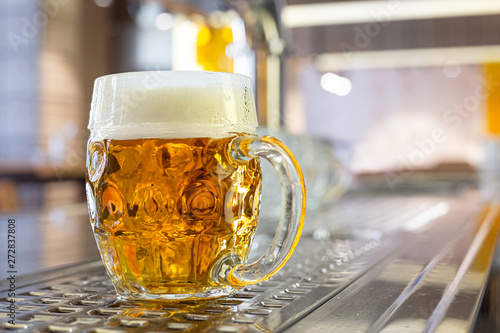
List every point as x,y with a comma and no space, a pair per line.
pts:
172,104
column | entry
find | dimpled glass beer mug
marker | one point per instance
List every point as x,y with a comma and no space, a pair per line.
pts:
174,183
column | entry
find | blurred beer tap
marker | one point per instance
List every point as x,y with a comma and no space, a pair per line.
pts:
267,38
254,46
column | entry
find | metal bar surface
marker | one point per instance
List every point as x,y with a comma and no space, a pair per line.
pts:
434,285
372,263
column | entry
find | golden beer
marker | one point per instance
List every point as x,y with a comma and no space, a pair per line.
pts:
168,209
174,182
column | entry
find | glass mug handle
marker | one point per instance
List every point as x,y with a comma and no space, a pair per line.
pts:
293,206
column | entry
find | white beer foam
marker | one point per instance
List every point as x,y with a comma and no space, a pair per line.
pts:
172,104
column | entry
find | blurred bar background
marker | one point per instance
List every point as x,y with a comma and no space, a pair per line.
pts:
376,99
403,91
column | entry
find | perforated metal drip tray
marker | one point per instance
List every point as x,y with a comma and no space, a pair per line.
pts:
82,299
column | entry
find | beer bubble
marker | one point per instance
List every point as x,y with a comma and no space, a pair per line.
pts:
96,160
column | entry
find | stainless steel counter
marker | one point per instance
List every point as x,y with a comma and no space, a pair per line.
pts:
372,263
432,281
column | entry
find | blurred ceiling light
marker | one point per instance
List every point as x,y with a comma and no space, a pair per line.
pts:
336,84
306,15
103,3
164,21
408,58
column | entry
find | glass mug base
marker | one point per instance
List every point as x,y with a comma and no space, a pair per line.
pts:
210,293
136,288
